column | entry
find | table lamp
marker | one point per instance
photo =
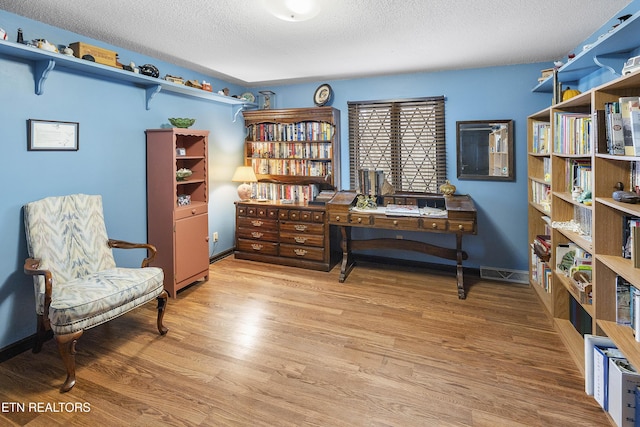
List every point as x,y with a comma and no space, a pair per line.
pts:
244,174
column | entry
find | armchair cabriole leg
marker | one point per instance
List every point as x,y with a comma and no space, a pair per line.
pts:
67,347
162,303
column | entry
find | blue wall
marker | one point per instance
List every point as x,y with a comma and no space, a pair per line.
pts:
111,159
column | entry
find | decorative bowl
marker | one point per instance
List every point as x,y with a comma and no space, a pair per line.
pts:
181,122
183,173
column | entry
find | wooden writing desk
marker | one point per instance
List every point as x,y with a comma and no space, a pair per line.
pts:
460,219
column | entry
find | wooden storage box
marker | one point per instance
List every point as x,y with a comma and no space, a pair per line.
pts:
102,56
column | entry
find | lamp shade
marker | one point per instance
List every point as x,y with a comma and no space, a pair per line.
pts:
244,174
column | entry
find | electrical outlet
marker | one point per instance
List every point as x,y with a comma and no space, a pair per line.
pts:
215,236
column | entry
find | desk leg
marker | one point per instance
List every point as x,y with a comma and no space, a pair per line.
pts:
347,261
459,276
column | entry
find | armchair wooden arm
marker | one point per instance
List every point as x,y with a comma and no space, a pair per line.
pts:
121,244
32,268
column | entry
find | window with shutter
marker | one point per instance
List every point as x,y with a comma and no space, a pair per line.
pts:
403,138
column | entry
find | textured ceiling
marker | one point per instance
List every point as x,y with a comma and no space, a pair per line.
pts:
239,41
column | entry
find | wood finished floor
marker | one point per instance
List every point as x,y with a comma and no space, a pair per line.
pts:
265,345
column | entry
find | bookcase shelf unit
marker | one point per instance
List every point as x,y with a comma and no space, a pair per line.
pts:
290,149
602,237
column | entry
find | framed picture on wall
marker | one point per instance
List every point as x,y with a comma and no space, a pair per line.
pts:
48,135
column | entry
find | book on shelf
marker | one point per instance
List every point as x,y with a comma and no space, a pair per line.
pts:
613,129
634,124
580,319
625,113
635,312
601,356
629,222
623,301
590,342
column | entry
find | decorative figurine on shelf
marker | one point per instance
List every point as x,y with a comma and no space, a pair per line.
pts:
67,51
20,38
366,202
624,196
3,34
447,188
577,191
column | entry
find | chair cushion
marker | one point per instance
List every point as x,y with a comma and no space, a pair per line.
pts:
99,297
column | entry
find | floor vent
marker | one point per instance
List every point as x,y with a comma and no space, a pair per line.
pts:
516,276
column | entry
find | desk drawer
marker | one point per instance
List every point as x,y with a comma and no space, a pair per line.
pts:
461,225
363,219
399,223
265,224
256,246
258,234
434,224
302,252
302,239
302,227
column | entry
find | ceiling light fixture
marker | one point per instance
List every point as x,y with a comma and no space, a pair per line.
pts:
293,10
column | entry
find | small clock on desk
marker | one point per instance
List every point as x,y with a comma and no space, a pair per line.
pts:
323,95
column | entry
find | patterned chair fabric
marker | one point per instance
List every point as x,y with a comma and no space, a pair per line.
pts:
67,235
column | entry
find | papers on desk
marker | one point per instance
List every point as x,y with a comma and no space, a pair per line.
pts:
413,210
403,210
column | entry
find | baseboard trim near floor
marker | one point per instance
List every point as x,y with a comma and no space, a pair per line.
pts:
221,255
21,346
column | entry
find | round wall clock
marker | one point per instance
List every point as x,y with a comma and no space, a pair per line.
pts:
323,95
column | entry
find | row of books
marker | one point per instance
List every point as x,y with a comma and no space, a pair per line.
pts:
298,150
573,133
579,174
294,167
302,131
541,273
541,141
622,126
370,182
293,193
612,380
541,195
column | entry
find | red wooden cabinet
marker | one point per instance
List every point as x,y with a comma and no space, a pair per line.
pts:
177,209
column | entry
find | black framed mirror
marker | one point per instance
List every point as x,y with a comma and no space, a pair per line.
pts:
485,149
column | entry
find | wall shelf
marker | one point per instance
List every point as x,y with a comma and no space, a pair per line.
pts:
44,62
609,52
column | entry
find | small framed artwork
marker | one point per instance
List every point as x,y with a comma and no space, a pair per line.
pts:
47,135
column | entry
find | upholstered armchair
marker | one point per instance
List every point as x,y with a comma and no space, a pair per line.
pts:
77,284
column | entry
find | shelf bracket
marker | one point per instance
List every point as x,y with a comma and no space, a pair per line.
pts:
151,91
238,111
612,62
42,70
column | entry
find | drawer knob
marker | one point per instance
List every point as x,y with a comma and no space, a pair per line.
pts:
256,247
395,222
460,227
256,234
300,252
193,211
300,239
359,219
434,225
257,223
338,218
300,227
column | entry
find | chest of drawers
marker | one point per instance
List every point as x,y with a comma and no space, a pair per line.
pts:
288,234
